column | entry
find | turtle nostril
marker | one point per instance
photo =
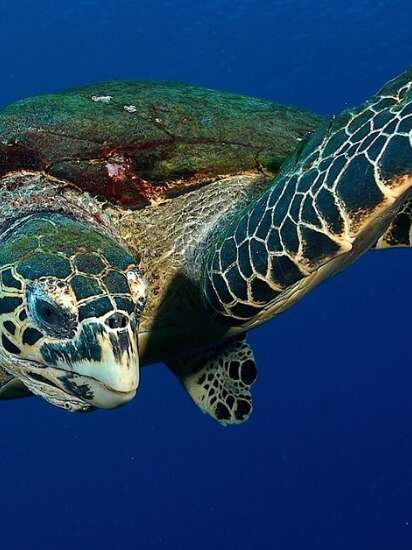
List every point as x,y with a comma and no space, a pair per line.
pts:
117,320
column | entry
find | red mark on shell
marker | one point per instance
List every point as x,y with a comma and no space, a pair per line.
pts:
117,168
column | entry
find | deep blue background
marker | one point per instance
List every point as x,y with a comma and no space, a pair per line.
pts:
326,461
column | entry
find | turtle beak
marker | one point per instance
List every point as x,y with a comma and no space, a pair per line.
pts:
114,379
100,367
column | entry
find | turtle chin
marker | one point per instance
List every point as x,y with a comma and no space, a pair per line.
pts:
71,391
82,382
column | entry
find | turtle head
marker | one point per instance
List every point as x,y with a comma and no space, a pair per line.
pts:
70,303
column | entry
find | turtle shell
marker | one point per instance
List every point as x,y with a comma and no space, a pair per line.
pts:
136,142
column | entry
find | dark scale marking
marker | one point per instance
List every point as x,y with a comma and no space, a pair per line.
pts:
407,110
120,343
359,121
264,226
259,256
317,246
85,287
368,140
327,208
10,327
42,379
245,265
80,390
125,304
212,296
381,120
357,187
230,401
324,165
312,141
317,184
9,280
306,181
334,143
289,234
384,103
9,346
222,289
284,272
222,412
256,215
89,263
295,207
262,292
376,147
244,311
236,284
83,348
310,161
336,169
309,214
31,336
229,253
96,308
116,283
281,209
277,191
400,230
241,233
345,148
405,125
273,241
392,127
243,409
7,305
23,315
44,265
361,134
248,372
353,150
234,370
397,158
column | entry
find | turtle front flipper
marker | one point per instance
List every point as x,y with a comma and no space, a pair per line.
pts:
330,203
219,380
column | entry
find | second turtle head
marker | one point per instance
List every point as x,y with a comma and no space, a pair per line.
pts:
70,304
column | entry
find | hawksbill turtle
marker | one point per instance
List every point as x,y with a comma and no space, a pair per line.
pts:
146,222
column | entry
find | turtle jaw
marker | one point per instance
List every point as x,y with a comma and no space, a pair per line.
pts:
106,377
98,369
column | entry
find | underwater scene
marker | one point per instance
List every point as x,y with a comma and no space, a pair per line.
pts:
176,175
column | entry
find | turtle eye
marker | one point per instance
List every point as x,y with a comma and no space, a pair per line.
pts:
49,314
52,308
51,318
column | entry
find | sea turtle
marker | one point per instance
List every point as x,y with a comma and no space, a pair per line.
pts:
156,221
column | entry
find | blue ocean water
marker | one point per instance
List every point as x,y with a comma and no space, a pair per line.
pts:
326,461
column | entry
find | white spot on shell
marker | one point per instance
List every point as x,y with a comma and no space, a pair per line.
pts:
130,108
102,98
137,285
113,169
